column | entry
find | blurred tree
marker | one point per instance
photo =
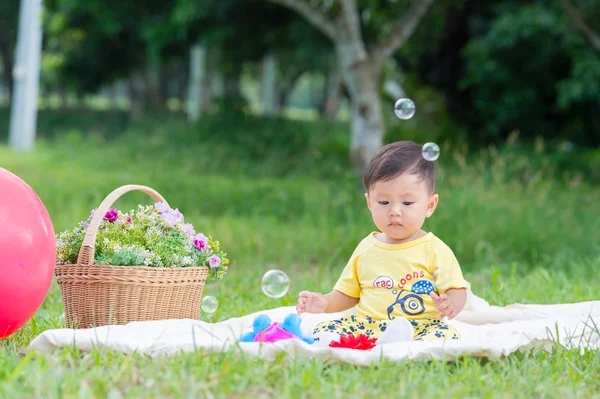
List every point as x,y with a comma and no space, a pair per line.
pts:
9,20
93,43
528,72
588,10
511,65
247,31
96,42
360,53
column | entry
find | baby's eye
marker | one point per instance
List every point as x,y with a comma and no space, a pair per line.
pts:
383,202
406,203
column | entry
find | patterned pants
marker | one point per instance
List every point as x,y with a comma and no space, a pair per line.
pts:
425,329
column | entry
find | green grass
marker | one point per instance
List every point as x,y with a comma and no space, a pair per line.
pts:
279,194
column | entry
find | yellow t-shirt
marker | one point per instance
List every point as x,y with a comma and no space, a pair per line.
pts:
394,280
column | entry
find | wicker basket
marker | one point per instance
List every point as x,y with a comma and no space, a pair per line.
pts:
97,295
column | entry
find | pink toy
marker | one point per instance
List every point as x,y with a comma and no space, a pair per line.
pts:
27,253
274,333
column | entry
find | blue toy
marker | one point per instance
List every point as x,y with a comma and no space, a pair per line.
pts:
265,331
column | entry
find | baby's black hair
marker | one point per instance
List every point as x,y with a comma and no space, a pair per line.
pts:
397,158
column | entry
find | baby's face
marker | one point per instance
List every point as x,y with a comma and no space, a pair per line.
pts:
399,206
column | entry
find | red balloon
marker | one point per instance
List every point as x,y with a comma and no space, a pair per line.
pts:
27,253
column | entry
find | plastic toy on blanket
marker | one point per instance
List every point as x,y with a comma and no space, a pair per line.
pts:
265,331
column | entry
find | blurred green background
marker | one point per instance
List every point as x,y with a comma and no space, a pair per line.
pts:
256,152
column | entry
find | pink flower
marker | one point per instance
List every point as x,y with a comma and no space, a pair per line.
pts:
128,219
200,242
169,218
189,230
162,207
111,216
178,216
214,261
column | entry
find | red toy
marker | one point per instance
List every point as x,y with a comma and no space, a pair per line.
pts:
362,342
27,253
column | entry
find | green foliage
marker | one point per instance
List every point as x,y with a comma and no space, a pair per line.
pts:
506,66
583,82
525,70
81,36
134,36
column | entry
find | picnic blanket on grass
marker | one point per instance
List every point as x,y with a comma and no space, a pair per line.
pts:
488,331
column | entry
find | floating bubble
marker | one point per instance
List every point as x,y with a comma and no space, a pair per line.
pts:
209,304
431,151
404,108
394,292
275,283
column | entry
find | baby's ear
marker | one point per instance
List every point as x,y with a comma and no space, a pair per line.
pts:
368,200
433,201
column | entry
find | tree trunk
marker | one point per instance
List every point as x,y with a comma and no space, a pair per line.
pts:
24,105
232,84
136,86
360,70
196,73
367,123
332,92
269,87
577,17
113,95
207,92
287,86
360,74
7,68
182,78
151,78
163,85
217,83
63,95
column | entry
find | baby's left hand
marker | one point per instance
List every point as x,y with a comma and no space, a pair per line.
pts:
444,305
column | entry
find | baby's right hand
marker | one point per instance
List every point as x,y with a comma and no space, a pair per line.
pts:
311,302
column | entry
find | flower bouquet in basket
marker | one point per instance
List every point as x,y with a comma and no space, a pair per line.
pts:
146,264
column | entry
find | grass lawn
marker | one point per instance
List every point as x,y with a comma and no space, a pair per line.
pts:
523,229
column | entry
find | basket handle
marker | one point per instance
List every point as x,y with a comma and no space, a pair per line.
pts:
86,252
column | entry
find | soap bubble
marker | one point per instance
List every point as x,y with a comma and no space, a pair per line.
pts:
275,283
431,151
209,304
404,108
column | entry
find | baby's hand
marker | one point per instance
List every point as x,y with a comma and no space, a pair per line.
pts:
443,305
311,302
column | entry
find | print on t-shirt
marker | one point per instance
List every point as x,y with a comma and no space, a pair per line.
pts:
411,302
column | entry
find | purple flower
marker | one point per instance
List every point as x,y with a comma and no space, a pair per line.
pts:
162,207
200,242
189,230
85,224
169,218
111,215
128,219
214,261
177,215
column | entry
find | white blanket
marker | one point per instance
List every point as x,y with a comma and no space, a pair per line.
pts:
488,331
